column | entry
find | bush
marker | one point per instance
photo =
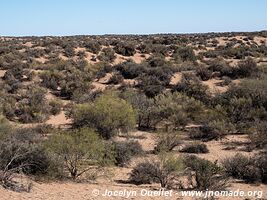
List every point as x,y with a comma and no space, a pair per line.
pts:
116,79
161,171
195,148
78,150
204,73
205,133
156,61
92,46
130,70
259,137
124,151
107,55
125,49
167,142
177,109
260,161
18,154
108,114
222,67
246,68
144,107
55,107
143,173
191,86
208,175
185,54
242,167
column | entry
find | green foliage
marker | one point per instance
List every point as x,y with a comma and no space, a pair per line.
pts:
125,49
259,136
107,55
167,141
208,175
191,86
5,127
20,151
108,114
78,150
30,107
55,107
185,54
144,107
177,108
207,132
249,169
124,151
157,171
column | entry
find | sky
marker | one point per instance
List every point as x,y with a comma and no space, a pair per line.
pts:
97,17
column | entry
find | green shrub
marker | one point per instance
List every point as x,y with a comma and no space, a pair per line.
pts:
191,86
78,150
161,171
195,148
259,137
124,151
130,70
242,167
107,55
116,79
208,175
125,49
185,53
55,107
167,142
108,114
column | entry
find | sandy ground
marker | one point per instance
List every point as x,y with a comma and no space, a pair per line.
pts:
176,78
213,87
59,120
2,73
112,181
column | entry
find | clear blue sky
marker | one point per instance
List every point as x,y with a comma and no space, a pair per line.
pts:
79,17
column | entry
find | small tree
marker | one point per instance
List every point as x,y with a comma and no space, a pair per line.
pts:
79,150
208,174
158,171
108,114
167,142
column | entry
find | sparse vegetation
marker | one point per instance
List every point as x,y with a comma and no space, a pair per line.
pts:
79,107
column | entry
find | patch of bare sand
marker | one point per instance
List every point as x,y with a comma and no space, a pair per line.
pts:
106,78
2,73
119,59
62,57
213,87
42,60
28,44
89,57
59,120
138,57
84,191
227,147
260,40
176,78
221,40
131,82
98,86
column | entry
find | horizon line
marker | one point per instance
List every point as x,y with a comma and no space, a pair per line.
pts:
133,34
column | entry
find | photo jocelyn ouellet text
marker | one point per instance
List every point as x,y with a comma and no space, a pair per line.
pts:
172,193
